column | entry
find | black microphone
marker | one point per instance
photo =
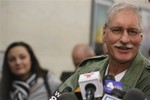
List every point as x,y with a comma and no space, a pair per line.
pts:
108,77
90,90
134,94
116,94
67,96
110,83
147,98
57,94
67,89
78,93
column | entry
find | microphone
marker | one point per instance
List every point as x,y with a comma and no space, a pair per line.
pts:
109,97
67,96
90,90
57,94
116,94
67,89
134,94
90,85
147,98
105,79
113,89
78,93
108,77
110,83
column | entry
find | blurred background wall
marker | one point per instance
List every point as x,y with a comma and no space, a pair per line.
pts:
51,27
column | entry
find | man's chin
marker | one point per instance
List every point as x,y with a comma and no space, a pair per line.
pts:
123,60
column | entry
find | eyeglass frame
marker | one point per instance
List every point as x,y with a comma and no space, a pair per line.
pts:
130,31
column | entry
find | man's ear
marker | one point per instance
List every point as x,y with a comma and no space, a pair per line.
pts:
104,33
141,38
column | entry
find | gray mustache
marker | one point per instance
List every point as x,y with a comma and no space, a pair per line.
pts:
123,45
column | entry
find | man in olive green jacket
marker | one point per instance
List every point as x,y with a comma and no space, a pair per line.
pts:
137,76
123,35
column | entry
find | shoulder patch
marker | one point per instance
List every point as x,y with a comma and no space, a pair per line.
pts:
95,58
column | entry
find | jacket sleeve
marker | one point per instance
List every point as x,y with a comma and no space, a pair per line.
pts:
144,82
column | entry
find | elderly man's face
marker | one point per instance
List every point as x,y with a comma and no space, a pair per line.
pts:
123,36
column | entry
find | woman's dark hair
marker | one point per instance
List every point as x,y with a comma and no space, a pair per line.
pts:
8,77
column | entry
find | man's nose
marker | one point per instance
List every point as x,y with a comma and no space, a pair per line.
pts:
125,37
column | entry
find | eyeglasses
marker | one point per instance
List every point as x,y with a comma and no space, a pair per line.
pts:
130,31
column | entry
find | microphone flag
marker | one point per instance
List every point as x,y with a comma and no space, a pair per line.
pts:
91,78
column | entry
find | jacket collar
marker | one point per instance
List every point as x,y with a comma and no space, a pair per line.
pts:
134,72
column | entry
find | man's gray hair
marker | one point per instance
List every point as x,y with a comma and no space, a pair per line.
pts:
123,6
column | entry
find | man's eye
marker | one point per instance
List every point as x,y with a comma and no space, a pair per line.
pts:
133,32
116,30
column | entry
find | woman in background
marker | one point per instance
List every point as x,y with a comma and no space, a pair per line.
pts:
22,76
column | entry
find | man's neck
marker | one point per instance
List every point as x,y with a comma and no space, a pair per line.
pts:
116,68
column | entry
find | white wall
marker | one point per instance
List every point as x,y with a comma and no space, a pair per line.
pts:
0,24
52,27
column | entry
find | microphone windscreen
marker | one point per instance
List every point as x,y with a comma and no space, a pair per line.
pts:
118,93
67,96
134,94
109,77
90,86
78,93
147,98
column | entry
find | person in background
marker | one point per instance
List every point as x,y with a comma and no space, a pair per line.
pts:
123,34
80,52
22,76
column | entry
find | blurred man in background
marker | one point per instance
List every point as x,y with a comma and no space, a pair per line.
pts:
80,52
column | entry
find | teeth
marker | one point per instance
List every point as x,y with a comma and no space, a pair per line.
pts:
125,48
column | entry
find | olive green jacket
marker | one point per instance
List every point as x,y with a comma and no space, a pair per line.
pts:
137,76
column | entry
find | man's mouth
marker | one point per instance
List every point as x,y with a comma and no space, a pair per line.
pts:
124,48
